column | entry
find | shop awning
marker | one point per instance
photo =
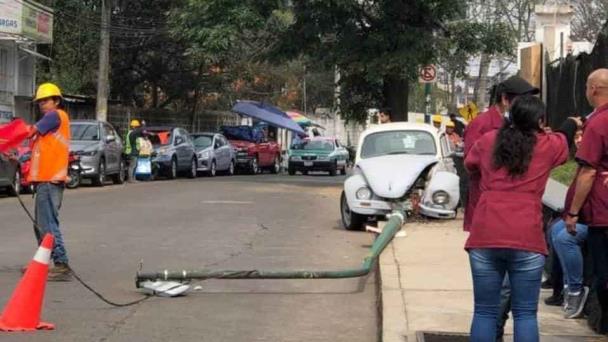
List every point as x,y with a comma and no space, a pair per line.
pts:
267,113
35,54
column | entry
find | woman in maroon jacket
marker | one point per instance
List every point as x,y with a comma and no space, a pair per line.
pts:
507,231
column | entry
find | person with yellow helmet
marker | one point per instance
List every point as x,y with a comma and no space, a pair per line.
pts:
48,172
450,132
131,148
437,121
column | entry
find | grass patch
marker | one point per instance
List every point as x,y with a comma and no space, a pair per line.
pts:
565,173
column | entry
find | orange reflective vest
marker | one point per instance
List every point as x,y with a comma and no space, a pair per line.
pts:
50,154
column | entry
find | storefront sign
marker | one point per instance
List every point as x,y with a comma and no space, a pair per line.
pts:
28,19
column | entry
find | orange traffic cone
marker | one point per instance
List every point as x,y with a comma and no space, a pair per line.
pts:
22,313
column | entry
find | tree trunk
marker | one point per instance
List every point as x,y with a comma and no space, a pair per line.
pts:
482,82
194,110
453,104
154,95
396,90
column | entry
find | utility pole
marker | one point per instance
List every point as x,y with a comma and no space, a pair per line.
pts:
103,82
304,93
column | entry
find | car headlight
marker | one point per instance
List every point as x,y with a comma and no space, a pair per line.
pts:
364,193
295,158
323,158
441,197
86,153
204,155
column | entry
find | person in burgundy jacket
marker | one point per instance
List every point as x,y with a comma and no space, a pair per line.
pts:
587,199
490,120
506,234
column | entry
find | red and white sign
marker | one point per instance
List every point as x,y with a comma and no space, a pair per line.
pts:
428,74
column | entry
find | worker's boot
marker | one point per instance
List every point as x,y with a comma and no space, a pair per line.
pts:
60,272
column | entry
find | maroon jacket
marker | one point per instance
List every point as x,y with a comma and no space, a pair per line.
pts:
593,151
509,211
487,121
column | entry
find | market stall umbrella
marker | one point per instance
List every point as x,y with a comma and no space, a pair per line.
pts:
302,120
267,113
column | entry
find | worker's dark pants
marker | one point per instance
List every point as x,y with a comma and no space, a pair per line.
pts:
48,202
597,241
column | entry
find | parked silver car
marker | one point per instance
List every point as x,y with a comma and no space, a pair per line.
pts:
173,152
100,150
10,177
214,153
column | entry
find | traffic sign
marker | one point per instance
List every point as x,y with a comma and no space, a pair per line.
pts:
428,74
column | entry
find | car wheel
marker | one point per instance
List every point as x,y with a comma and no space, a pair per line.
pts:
74,179
343,170
213,169
255,166
119,178
193,165
350,219
100,180
333,170
231,168
291,170
173,169
276,167
15,188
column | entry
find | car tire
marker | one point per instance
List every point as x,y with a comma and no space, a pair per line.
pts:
276,166
172,172
291,170
192,173
350,219
343,170
15,188
333,170
75,179
231,168
255,166
119,178
100,179
212,169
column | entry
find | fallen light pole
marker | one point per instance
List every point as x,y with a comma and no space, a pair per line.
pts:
396,220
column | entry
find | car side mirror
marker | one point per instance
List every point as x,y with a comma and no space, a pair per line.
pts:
110,138
179,141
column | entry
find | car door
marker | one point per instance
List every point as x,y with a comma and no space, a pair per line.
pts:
4,169
178,146
446,153
341,154
217,152
112,148
226,153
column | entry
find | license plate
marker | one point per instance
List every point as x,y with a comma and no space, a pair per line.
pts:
307,163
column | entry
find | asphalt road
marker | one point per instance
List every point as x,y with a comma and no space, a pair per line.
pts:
241,222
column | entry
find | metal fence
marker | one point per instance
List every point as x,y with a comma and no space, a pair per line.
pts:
566,79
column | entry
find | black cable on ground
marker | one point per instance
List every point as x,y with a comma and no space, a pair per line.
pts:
73,273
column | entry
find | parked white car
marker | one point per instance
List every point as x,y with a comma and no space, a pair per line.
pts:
405,166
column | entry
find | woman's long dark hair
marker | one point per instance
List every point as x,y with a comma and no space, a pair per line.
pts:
517,138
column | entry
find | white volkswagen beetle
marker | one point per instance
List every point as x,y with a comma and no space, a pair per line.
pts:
405,166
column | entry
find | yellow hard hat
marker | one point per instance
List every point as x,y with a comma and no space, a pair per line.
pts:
46,90
135,123
437,118
450,124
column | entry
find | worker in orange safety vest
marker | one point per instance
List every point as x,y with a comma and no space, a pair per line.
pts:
48,172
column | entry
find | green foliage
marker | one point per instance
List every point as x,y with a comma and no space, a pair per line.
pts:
565,173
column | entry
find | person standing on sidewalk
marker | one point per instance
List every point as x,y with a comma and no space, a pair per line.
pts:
587,199
48,172
131,150
513,165
384,116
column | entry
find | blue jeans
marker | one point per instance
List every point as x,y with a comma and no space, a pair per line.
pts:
48,202
489,267
568,250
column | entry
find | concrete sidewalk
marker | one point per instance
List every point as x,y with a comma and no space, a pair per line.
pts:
426,286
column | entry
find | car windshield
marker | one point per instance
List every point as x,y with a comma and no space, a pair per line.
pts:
318,145
85,132
202,141
398,142
160,138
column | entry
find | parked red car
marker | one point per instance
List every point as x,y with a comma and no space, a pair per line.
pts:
253,151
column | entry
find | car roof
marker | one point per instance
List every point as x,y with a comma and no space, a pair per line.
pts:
160,128
321,138
204,133
401,126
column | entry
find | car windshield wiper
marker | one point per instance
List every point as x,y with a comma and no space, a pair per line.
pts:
398,152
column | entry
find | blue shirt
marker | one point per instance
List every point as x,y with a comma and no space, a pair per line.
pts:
49,123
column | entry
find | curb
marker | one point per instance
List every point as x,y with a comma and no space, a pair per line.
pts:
393,314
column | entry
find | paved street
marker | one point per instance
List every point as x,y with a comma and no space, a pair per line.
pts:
272,222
